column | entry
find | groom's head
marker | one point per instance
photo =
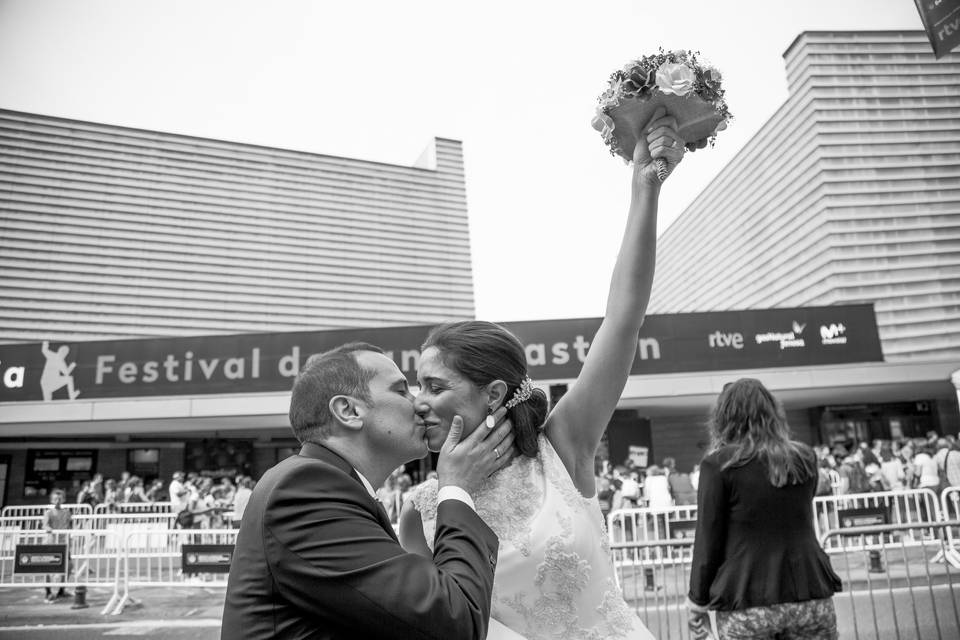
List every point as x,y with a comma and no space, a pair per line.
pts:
356,392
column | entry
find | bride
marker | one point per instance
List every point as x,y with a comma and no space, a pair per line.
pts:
554,576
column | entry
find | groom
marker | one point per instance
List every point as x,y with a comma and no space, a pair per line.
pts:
316,556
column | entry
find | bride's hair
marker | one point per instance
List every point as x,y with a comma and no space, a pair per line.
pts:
483,352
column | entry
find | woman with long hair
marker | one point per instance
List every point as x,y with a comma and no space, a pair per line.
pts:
554,577
756,558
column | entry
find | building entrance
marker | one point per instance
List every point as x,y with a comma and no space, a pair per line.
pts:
849,425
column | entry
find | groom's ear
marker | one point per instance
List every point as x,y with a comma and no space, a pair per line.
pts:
496,394
347,411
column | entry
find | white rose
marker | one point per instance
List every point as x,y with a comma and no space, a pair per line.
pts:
675,78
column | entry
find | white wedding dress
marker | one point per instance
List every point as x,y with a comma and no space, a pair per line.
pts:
554,576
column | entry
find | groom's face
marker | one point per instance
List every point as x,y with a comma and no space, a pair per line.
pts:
392,427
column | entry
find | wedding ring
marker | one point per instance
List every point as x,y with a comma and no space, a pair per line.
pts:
497,451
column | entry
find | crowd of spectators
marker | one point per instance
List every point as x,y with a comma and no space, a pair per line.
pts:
200,502
655,487
891,465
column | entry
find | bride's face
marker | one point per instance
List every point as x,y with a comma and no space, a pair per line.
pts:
444,393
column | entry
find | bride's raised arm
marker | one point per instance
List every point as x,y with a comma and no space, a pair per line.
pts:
577,423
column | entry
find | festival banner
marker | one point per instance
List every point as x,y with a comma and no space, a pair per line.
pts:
555,350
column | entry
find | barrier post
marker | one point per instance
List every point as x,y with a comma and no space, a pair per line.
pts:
79,598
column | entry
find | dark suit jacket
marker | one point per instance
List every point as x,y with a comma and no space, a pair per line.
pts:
317,558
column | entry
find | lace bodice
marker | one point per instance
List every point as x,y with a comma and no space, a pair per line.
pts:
554,577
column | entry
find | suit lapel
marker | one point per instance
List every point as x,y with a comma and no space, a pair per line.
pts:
321,452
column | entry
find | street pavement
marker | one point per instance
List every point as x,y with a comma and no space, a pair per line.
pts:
891,604
159,612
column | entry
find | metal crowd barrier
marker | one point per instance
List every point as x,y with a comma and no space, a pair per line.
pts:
895,590
913,599
651,525
133,507
92,557
145,563
950,510
96,521
909,506
27,510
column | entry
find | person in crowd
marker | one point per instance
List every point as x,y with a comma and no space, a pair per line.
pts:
605,493
891,467
910,472
926,475
225,491
629,489
56,520
156,493
951,464
111,494
756,558
853,476
544,505
96,486
123,483
404,484
134,491
86,494
389,495
316,554
940,459
656,488
240,499
695,477
178,493
681,488
866,455
875,477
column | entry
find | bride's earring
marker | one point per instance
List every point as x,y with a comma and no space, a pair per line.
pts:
491,422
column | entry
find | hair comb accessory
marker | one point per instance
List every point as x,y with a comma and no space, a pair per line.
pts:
522,394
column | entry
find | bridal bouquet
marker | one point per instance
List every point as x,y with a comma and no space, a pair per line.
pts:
689,90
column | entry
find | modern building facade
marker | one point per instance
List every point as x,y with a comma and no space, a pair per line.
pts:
160,291
850,193
112,232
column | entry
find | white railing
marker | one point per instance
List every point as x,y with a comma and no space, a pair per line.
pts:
28,510
133,507
147,562
907,507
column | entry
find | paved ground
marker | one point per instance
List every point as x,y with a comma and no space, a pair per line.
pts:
873,605
169,612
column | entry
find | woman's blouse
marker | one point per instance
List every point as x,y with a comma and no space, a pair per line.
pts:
755,544
927,470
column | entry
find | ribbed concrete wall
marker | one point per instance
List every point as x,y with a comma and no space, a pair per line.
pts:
849,193
110,232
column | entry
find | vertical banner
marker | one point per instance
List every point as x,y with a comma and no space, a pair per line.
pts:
941,20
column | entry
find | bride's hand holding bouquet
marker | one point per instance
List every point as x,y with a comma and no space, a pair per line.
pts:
659,148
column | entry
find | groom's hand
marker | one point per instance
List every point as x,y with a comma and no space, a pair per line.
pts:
467,462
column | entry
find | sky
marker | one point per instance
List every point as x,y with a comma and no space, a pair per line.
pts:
516,81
